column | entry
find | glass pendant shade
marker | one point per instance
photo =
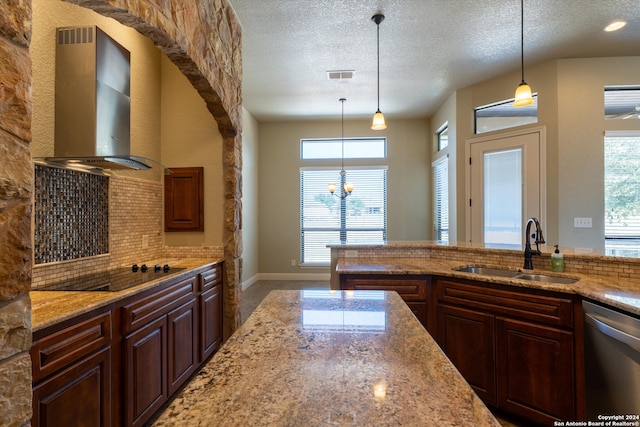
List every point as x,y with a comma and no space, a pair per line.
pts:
348,187
378,121
523,95
332,187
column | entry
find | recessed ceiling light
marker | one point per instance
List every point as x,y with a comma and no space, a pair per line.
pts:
615,26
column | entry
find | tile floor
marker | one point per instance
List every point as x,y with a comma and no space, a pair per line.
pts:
252,297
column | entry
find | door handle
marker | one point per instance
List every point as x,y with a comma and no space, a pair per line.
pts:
614,333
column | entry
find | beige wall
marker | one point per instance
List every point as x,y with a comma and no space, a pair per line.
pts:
145,79
571,107
170,122
408,187
250,211
190,138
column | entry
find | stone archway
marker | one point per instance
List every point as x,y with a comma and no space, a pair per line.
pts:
203,38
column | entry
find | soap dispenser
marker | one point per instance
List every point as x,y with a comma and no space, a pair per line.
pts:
557,260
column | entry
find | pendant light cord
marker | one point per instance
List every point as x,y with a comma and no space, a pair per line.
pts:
342,157
378,32
521,38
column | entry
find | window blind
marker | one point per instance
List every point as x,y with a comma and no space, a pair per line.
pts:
441,199
325,218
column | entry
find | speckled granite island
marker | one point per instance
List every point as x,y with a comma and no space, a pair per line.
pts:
315,357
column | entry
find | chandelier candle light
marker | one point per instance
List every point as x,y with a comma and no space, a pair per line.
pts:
378,118
345,187
523,96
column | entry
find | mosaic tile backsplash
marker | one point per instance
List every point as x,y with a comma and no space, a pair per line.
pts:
71,214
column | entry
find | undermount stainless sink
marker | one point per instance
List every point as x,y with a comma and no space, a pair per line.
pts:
499,272
547,279
488,271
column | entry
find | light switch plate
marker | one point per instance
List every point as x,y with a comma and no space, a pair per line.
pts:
582,222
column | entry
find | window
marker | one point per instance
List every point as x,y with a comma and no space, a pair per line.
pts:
326,218
443,138
622,193
503,115
621,102
441,199
354,148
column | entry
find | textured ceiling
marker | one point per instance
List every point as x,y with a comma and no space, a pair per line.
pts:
428,49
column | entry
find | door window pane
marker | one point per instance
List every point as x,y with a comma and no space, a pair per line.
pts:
503,198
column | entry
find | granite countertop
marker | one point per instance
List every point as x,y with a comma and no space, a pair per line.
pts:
52,307
319,357
622,294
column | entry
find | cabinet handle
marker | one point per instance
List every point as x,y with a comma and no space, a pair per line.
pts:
614,333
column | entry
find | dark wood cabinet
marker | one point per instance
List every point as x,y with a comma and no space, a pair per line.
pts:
210,302
467,337
145,371
71,364
514,346
182,344
160,351
535,370
119,364
412,288
184,199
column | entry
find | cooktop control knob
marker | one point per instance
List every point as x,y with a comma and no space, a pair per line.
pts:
156,268
143,268
134,268
166,268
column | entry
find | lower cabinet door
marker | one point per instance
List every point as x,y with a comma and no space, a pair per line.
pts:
467,338
77,396
535,371
210,321
145,371
182,344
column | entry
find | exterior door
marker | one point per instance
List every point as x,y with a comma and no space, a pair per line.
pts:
505,186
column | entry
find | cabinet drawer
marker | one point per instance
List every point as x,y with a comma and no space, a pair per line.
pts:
58,349
525,304
210,278
410,289
153,305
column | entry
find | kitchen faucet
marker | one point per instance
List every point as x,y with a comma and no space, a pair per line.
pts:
528,252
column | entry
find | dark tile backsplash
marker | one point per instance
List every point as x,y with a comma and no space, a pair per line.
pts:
71,214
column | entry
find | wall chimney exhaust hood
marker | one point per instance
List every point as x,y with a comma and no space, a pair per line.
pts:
92,102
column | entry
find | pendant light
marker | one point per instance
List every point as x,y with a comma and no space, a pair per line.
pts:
345,187
378,119
523,91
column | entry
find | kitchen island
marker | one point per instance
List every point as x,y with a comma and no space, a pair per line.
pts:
315,357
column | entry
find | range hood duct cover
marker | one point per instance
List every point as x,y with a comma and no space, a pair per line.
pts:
92,101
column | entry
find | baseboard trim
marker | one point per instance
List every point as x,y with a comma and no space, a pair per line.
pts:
286,276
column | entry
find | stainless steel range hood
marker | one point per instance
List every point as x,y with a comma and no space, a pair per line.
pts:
92,101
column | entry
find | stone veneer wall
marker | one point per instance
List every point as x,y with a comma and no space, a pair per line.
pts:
16,189
203,38
604,266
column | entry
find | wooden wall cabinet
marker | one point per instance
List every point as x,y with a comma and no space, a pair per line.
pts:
514,346
184,200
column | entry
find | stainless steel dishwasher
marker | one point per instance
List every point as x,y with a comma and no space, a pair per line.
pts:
612,361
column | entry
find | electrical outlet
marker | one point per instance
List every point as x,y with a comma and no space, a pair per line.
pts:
145,241
352,253
293,262
582,223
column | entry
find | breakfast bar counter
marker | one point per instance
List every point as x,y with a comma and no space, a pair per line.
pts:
334,358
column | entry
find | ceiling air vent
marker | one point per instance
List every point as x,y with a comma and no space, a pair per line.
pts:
340,74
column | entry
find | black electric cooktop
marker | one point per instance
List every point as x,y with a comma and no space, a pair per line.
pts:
113,280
